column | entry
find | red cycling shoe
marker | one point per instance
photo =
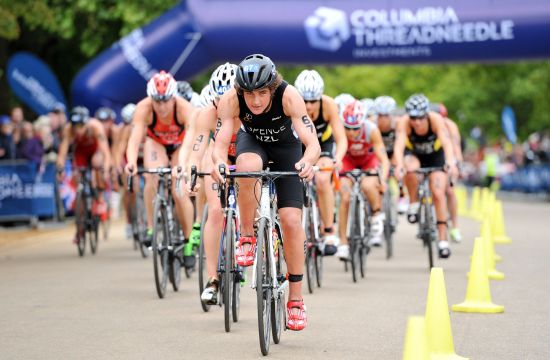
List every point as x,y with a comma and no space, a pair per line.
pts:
296,321
243,257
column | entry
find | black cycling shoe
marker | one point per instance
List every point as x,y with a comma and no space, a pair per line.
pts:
330,250
189,261
412,218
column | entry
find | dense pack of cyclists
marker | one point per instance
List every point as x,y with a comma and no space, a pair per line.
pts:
271,140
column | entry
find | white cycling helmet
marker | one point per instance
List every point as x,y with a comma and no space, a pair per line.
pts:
384,105
223,78
162,86
206,97
310,85
342,101
127,112
368,104
195,100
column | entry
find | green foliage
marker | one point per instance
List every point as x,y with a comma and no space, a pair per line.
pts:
474,94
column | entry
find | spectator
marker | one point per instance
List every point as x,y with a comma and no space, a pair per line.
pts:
17,119
7,146
30,147
57,122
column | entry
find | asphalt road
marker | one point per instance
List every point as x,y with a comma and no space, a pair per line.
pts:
55,305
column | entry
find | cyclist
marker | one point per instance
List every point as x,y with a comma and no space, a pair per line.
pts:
161,117
341,101
274,122
384,108
198,152
90,149
454,133
366,152
127,114
368,105
332,139
426,137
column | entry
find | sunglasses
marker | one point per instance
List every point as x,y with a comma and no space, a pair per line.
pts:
161,98
414,118
310,101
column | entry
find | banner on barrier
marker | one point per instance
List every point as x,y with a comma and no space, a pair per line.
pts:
25,192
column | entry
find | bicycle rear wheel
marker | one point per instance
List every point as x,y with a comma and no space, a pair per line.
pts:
160,249
141,222
229,265
278,303
203,276
311,250
80,219
263,286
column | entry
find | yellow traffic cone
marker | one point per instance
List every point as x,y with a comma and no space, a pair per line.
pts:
416,346
478,293
475,203
486,235
485,203
438,321
499,236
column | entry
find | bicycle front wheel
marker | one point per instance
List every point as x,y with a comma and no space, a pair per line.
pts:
229,265
388,224
429,233
160,249
93,233
310,250
263,286
80,219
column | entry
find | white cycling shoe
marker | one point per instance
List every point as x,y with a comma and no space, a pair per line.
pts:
377,229
343,252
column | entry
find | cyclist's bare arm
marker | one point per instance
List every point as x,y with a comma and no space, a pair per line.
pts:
438,126
294,106
380,152
337,128
64,146
122,145
139,129
102,142
228,112
454,132
399,145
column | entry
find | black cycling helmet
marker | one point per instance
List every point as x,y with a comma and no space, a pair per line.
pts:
185,90
79,115
256,71
105,113
417,105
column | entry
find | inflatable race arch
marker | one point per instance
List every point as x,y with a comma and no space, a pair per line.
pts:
197,34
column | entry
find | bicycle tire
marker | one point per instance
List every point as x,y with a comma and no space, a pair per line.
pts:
142,224
427,238
318,259
80,219
237,273
263,287
229,262
203,276
94,233
388,230
362,247
160,249
277,305
352,240
310,249
176,258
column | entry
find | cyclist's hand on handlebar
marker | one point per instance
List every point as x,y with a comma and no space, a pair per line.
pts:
383,186
452,170
130,169
216,172
398,172
306,169
338,166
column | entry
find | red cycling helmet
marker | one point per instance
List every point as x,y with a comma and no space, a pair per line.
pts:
354,114
443,110
162,86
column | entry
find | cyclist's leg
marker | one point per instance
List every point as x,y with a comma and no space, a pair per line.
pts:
100,182
154,156
184,207
438,184
345,189
453,211
412,163
250,157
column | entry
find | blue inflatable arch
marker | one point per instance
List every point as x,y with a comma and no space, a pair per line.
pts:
197,34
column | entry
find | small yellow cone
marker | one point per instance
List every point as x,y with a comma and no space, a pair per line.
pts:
478,293
499,235
485,203
438,321
487,231
475,207
416,346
